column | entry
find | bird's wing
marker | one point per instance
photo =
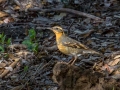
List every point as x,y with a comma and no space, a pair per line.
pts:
69,42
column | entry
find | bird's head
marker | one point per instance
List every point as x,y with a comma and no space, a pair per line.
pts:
57,30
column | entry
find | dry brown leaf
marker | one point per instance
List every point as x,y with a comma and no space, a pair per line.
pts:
17,46
59,17
116,57
9,68
3,14
17,87
117,76
8,20
2,65
114,62
2,1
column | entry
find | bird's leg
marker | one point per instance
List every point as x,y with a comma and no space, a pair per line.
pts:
73,60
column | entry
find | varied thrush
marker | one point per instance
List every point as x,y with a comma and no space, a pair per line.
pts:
69,46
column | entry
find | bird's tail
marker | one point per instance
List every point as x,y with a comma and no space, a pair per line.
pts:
93,52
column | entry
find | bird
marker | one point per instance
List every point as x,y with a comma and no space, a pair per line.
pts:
69,46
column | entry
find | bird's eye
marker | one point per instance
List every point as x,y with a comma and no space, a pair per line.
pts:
56,28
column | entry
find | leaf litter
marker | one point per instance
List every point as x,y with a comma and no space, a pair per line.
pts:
29,70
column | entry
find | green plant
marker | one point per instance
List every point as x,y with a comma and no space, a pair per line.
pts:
4,42
26,68
30,41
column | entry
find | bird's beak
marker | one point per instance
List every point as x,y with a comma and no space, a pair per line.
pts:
49,28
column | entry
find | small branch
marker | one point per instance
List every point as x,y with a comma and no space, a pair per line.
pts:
52,48
66,10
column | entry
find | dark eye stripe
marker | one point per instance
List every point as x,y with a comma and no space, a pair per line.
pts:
58,28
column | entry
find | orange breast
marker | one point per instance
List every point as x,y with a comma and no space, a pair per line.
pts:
63,49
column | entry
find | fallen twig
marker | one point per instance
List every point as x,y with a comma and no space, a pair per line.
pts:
12,66
67,11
